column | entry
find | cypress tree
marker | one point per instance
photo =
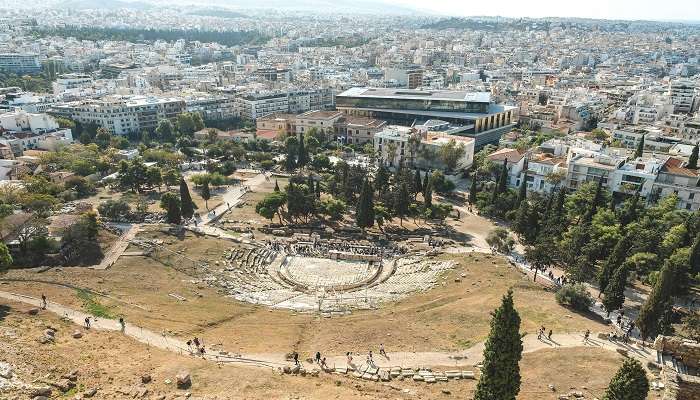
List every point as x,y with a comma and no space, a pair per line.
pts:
206,193
428,193
425,179
473,190
302,156
588,217
520,225
277,186
651,313
187,207
318,189
401,202
614,261
503,178
615,290
500,374
693,159
417,182
640,148
695,256
522,194
629,383
364,216
630,213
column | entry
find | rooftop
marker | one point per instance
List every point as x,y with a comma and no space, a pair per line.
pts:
414,94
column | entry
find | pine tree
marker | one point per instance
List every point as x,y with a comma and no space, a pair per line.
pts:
593,208
522,194
206,194
651,313
640,148
614,261
520,224
187,207
629,383
381,181
630,213
473,190
614,295
500,374
417,182
364,216
503,178
693,159
428,194
277,186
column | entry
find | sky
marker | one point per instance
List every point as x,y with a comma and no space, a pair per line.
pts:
685,10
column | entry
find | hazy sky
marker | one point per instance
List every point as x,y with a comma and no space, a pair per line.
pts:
608,9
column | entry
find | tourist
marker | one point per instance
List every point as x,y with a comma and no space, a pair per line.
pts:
318,357
549,335
196,342
296,358
189,346
87,322
122,324
43,301
586,335
381,349
323,364
349,356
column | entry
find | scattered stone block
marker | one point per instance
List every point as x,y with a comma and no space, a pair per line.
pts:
77,335
183,380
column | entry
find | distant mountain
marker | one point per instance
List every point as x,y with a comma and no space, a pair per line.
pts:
319,6
104,4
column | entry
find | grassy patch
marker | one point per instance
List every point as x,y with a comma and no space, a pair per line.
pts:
92,306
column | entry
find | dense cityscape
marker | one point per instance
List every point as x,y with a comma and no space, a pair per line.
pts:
316,200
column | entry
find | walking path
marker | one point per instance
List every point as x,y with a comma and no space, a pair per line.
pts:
118,248
231,198
471,356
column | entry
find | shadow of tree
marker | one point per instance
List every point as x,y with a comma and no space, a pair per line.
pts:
4,311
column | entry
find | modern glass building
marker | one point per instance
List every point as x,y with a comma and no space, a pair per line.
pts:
467,113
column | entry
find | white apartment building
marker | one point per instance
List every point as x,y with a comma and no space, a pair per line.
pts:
682,94
20,63
673,177
122,115
323,121
71,84
252,106
212,107
23,121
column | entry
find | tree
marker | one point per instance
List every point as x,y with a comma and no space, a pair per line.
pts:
79,245
333,208
185,124
503,178
695,256
666,285
500,374
5,258
691,325
640,148
693,159
417,184
500,240
364,215
522,193
206,194
629,383
165,131
381,215
102,139
451,153
114,209
187,206
170,202
473,190
428,194
154,177
401,202
271,205
614,261
614,294
290,160
171,177
302,154
277,186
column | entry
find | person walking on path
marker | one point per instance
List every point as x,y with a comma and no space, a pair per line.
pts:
43,301
318,357
296,358
381,349
87,322
586,335
122,324
549,335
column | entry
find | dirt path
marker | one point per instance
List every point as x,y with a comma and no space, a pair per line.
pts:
468,357
230,199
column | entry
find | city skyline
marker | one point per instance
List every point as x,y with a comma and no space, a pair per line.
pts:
680,10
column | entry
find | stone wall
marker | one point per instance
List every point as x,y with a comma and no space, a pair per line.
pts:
687,350
680,386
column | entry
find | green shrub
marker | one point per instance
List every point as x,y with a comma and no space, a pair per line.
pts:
575,296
